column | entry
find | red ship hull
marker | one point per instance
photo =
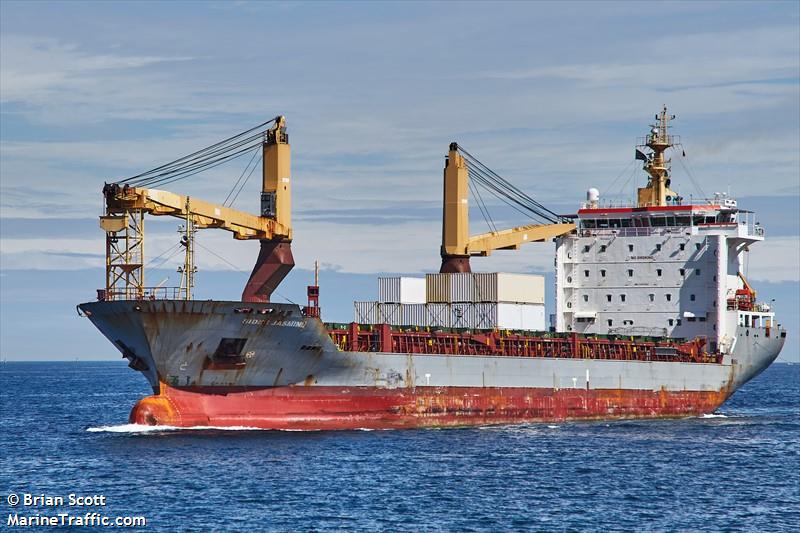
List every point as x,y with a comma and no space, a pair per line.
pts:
331,408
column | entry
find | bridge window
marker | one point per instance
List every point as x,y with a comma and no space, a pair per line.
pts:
603,273
626,223
652,297
608,297
610,322
585,297
585,273
622,297
669,297
658,272
630,272
614,223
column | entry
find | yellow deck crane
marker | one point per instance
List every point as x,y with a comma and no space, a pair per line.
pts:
457,245
127,202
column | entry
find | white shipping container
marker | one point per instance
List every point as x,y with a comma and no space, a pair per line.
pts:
462,287
521,288
485,315
366,312
390,313
403,290
509,316
415,315
533,317
528,317
462,315
438,315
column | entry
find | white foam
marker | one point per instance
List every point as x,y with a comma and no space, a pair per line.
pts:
713,415
141,428
553,427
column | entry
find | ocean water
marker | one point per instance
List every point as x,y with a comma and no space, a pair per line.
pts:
63,430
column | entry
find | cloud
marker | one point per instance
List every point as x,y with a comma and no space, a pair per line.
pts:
36,68
774,260
551,106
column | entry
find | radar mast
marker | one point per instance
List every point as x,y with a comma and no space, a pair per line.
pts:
657,191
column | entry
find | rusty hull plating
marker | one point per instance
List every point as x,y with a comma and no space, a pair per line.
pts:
269,366
305,407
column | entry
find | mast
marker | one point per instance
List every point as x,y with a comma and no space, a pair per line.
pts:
657,191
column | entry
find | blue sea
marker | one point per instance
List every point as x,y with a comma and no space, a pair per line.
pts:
63,431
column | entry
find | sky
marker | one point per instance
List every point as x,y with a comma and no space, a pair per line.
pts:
552,96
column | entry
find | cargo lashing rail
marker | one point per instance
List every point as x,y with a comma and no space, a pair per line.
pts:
384,338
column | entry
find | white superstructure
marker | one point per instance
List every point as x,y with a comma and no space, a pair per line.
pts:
659,268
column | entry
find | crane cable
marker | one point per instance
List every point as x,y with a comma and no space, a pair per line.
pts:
202,159
233,189
245,181
203,163
498,193
476,194
504,190
511,188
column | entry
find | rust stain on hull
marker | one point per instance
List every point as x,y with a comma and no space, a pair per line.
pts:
320,408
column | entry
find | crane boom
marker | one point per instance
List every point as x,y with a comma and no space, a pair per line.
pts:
457,245
203,214
511,239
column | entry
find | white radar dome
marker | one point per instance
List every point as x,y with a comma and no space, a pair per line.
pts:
592,195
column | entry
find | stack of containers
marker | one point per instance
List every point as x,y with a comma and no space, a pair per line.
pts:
483,300
462,300
401,301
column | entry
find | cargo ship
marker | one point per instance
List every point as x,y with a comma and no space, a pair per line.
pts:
653,317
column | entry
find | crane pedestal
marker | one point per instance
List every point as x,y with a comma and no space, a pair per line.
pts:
274,262
452,264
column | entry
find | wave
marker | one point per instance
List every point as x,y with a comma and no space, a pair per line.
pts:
713,415
141,428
